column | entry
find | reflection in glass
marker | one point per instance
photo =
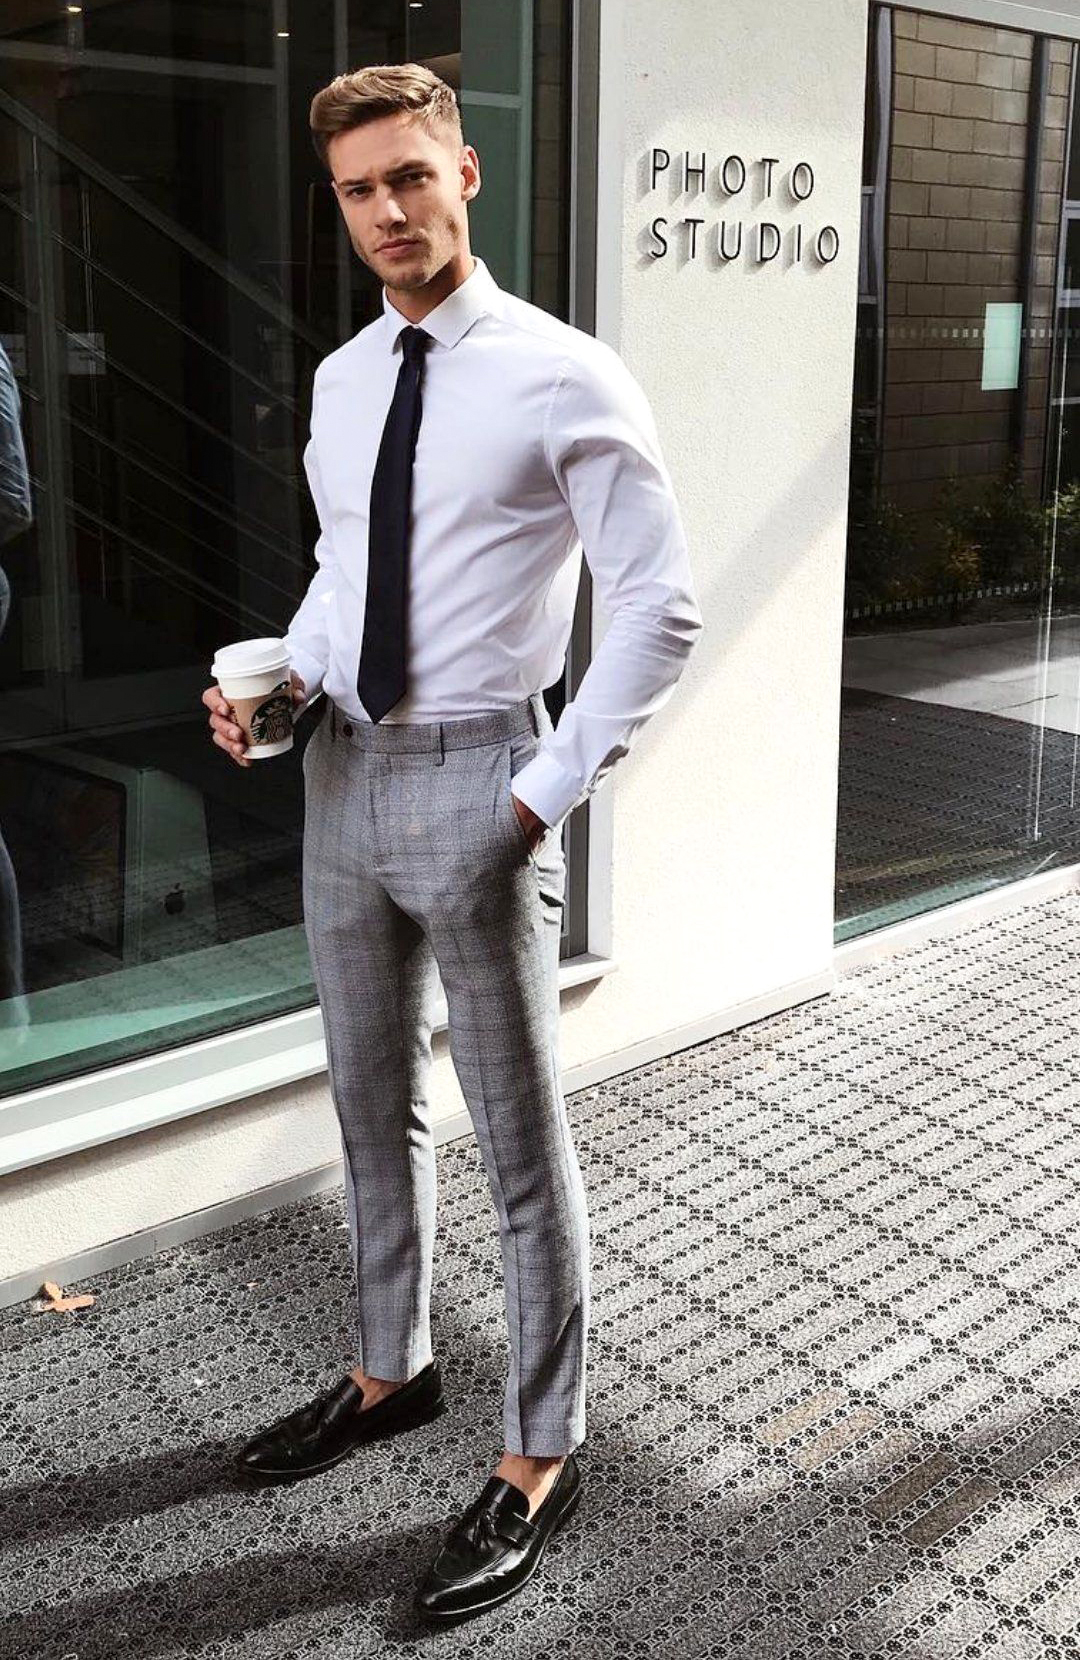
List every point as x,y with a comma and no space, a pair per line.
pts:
172,269
961,700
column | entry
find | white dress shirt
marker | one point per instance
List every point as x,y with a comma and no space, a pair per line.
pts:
535,443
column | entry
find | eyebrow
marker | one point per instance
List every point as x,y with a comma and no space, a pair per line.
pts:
391,172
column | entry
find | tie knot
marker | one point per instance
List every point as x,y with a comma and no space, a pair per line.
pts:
413,342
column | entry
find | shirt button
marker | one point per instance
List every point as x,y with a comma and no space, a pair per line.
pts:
346,727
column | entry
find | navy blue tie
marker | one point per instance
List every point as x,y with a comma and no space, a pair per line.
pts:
381,679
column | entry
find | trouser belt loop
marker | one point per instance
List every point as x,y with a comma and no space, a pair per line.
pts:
534,713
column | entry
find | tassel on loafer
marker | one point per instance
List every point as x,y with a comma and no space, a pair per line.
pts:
318,1436
494,1547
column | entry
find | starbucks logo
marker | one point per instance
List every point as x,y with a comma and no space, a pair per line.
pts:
271,721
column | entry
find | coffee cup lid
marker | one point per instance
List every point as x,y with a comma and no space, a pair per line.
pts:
250,657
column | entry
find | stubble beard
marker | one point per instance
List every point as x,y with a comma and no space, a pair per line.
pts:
390,273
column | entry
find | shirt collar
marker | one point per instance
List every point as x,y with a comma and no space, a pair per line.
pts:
453,317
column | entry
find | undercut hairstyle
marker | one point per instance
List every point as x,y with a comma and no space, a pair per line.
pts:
364,95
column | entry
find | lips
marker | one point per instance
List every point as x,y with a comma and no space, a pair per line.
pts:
393,247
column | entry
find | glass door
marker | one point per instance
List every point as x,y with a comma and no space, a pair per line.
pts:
961,676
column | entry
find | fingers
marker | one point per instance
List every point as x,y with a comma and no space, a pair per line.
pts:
236,750
225,737
225,732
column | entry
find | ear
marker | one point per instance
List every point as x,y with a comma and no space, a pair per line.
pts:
470,173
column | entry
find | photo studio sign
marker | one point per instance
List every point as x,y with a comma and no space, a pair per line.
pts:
738,185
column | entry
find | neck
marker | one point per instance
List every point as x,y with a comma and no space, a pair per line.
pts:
415,303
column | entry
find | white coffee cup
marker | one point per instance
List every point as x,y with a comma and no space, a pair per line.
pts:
254,677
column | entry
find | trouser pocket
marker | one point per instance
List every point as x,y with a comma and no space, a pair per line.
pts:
486,823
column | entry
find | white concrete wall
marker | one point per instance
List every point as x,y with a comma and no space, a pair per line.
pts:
728,891
722,822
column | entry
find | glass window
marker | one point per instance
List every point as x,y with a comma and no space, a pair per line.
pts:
173,267
961,690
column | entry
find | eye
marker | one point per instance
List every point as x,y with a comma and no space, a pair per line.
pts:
417,174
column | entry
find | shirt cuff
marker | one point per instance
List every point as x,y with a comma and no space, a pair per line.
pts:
547,788
310,671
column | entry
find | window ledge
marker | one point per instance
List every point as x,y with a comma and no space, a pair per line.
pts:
82,1112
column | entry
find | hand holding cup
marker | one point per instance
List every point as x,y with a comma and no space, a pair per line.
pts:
255,728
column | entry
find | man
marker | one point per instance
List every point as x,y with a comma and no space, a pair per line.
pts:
462,446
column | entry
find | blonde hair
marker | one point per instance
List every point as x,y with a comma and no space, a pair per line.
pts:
382,89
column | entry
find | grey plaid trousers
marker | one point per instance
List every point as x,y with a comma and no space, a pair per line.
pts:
416,868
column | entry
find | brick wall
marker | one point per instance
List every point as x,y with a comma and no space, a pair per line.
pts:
957,157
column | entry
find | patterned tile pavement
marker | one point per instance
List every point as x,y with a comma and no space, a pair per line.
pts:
834,1369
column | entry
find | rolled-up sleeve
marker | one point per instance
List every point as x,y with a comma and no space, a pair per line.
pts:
308,636
604,452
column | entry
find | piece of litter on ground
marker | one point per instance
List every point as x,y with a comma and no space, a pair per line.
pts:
54,1301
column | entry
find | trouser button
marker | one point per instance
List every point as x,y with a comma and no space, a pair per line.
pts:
346,727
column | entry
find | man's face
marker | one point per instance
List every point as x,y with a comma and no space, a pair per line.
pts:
395,183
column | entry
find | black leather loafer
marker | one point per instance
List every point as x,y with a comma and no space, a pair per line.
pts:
321,1434
494,1548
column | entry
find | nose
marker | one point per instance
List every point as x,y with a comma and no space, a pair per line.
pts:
390,213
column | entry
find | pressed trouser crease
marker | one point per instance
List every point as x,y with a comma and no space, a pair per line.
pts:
416,868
